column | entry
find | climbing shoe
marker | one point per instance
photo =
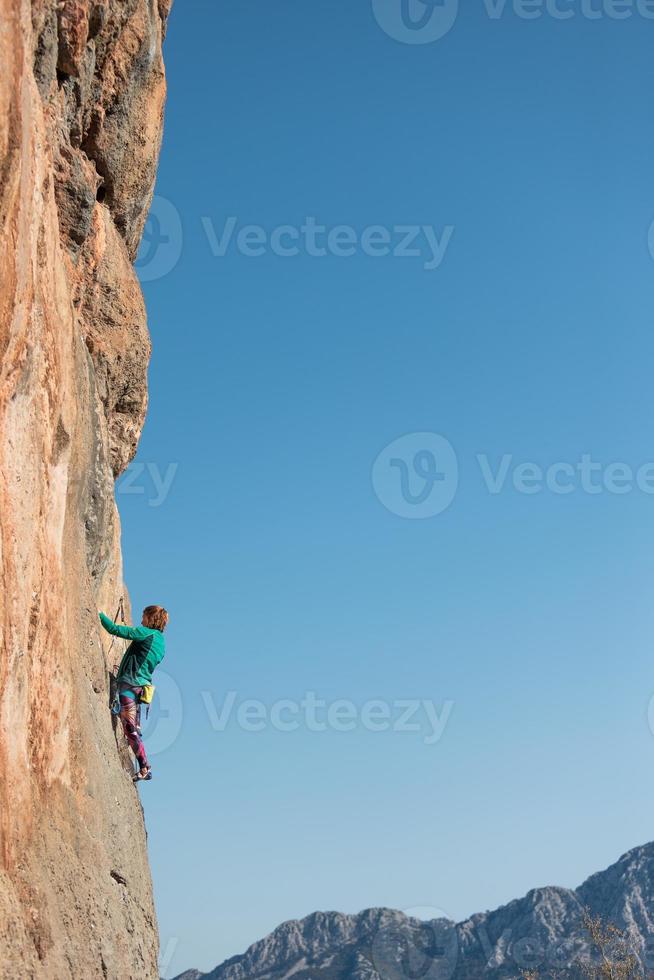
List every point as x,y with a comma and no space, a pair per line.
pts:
142,774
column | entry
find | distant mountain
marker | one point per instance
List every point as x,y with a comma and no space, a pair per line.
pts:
543,930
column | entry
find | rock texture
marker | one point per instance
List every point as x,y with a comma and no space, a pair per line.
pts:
541,931
81,103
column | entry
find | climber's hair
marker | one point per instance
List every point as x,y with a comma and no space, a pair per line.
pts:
155,618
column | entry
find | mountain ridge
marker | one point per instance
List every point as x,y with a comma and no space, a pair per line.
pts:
542,929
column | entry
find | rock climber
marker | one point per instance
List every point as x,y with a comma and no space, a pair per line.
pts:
134,676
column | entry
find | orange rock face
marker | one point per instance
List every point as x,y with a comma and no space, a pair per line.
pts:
82,90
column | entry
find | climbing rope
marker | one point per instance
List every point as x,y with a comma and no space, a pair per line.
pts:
119,612
115,703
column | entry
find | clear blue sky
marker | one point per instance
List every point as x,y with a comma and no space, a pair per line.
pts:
276,382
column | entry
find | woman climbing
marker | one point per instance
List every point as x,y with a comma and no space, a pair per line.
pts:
144,653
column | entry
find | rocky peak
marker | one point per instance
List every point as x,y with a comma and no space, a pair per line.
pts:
542,929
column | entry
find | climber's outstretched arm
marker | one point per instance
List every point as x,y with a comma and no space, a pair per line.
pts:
125,632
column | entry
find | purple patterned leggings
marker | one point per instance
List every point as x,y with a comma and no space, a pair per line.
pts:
129,715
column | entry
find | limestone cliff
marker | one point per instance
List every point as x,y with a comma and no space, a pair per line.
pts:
81,104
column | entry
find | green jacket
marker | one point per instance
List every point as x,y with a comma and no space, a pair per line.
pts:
146,650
